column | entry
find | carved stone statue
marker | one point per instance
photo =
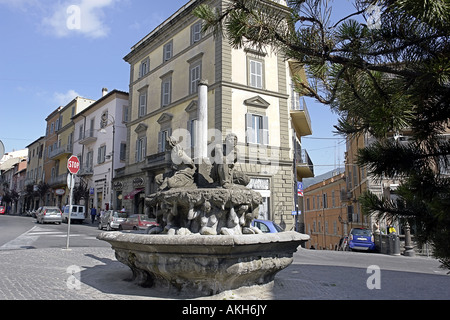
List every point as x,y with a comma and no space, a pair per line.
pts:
182,175
225,164
225,206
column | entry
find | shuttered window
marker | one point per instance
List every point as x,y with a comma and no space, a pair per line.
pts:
141,149
162,139
256,74
166,91
257,129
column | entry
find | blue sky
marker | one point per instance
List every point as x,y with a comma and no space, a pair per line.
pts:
46,60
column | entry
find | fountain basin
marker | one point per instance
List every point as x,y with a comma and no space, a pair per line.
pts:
204,264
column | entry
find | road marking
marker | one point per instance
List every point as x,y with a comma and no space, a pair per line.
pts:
25,240
45,233
40,231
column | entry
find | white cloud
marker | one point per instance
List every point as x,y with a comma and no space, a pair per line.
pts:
64,98
84,17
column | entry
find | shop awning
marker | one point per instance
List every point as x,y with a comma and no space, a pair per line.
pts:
131,195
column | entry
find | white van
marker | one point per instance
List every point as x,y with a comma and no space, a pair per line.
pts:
76,216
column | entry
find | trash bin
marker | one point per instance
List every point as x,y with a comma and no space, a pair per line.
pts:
394,244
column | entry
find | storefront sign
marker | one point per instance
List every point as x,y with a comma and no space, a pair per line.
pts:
138,182
259,184
60,192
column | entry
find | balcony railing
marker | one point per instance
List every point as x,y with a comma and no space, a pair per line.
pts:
86,171
58,180
61,151
87,137
305,166
300,116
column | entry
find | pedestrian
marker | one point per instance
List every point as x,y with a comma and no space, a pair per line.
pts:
391,229
93,214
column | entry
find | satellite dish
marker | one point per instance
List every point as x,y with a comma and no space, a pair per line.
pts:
2,149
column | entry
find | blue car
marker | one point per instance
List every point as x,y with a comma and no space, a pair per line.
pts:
361,239
267,226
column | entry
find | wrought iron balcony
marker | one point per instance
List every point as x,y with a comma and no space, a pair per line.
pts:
300,117
86,171
305,167
60,180
88,137
65,150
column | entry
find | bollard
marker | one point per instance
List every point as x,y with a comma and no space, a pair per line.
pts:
394,244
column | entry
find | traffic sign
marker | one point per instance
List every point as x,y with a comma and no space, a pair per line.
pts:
70,181
73,164
300,189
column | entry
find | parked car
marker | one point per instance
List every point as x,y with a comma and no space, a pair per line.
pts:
49,214
32,213
137,222
77,214
267,226
111,220
361,239
2,210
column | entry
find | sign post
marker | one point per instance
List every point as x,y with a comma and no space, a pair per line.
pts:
73,165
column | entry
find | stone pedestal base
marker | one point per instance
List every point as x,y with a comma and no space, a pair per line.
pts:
204,264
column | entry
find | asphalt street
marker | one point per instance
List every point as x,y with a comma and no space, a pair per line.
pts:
33,268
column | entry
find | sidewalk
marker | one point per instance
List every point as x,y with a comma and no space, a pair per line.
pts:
46,274
30,274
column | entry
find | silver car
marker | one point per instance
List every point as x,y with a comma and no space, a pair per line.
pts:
111,220
49,214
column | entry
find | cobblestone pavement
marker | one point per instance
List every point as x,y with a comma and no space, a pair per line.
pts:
94,274
81,274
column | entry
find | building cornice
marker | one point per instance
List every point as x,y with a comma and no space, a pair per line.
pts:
99,102
162,28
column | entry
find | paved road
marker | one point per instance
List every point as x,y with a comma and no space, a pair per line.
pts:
13,226
22,232
338,275
42,269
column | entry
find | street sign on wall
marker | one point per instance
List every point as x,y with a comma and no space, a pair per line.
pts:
73,164
300,189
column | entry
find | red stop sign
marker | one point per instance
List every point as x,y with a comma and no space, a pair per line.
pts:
73,164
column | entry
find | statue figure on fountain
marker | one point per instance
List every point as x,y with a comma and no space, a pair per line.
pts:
226,207
183,168
225,164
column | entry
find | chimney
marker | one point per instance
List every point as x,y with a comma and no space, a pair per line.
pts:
104,92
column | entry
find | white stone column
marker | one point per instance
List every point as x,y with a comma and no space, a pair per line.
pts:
201,143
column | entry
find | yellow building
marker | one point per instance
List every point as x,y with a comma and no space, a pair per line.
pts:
326,216
357,181
59,145
250,93
35,170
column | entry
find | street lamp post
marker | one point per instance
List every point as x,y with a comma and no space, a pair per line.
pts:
104,124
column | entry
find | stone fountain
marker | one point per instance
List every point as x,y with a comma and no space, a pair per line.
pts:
205,242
